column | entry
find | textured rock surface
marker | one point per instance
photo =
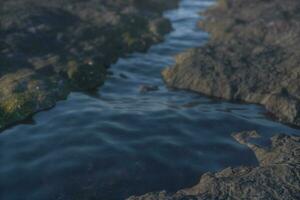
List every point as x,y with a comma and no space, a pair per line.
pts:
49,48
276,177
253,55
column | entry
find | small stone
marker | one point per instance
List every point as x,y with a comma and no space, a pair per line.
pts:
124,76
148,88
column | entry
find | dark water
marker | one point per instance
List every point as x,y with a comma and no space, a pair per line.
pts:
116,142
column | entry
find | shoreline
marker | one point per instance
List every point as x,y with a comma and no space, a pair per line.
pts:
245,60
272,179
217,69
44,59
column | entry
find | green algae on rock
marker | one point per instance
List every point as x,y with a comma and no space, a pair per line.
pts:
253,55
276,177
50,48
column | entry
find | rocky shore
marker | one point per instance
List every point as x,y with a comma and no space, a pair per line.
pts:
276,177
253,55
50,48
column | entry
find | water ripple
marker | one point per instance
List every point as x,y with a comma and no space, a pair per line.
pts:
116,142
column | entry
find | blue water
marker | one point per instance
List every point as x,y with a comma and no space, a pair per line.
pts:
116,142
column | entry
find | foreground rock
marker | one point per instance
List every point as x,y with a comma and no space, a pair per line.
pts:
276,177
253,55
50,48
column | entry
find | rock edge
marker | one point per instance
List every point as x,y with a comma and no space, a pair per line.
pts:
253,55
276,177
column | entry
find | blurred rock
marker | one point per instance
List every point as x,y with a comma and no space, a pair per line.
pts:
148,88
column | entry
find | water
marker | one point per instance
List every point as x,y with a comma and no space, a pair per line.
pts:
116,142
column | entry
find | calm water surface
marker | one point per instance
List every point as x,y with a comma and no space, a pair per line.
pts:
116,142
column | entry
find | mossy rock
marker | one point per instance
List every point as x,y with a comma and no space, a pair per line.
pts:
17,107
84,76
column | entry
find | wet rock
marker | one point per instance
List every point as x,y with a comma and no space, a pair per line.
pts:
253,55
276,177
160,26
85,76
110,73
124,76
148,88
50,48
25,93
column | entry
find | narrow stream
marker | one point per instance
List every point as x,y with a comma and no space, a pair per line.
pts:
117,142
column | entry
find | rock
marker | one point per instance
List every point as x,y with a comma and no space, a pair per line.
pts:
123,76
85,76
253,55
160,26
148,88
61,46
276,177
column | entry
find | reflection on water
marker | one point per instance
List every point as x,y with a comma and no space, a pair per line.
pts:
116,142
